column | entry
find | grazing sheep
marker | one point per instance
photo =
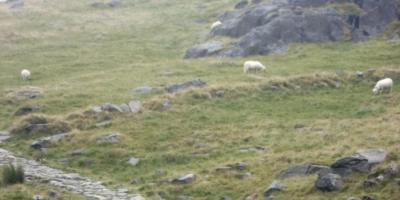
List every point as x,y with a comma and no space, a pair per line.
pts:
255,66
25,74
215,24
384,85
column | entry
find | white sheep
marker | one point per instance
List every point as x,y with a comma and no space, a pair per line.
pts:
255,66
215,24
384,85
25,74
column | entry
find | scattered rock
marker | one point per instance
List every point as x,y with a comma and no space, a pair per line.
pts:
186,179
46,142
275,186
205,49
77,152
329,182
391,170
125,108
368,198
360,74
345,166
135,106
374,156
37,197
306,169
181,86
110,138
53,194
133,161
111,108
4,135
142,90
241,4
26,109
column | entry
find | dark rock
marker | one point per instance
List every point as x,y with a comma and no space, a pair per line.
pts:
360,74
366,197
391,170
301,170
26,110
347,165
186,179
46,142
185,85
111,108
110,138
329,182
238,166
241,4
275,186
37,197
135,106
205,49
53,194
374,156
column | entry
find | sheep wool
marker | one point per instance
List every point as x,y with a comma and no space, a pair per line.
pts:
25,74
384,85
253,66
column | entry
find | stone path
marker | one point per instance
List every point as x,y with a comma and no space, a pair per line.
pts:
72,182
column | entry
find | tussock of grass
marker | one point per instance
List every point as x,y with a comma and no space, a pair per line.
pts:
40,124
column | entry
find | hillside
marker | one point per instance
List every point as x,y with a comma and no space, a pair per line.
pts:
237,133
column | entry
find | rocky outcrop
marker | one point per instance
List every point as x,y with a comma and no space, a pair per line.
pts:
271,27
73,182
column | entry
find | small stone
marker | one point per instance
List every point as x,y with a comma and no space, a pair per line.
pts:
125,108
134,161
77,152
111,108
104,124
181,86
220,93
4,135
53,194
353,198
302,170
186,179
37,197
374,156
360,74
329,182
225,198
142,90
238,166
135,106
136,181
391,170
166,104
110,138
275,186
45,142
97,109
137,197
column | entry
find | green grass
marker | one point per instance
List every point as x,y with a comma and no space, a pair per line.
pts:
83,57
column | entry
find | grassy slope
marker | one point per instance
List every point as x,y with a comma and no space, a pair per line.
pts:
83,56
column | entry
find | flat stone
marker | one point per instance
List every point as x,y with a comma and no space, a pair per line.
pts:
110,138
135,106
302,170
142,90
347,165
275,186
46,142
329,182
185,179
185,85
111,108
374,156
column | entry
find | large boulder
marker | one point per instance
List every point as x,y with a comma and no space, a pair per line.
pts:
271,27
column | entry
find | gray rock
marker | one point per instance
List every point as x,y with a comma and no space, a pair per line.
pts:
111,108
53,194
142,90
329,182
374,156
166,104
110,138
206,49
271,27
186,179
4,135
241,4
46,142
353,198
391,170
302,170
104,124
275,186
347,165
219,93
181,86
23,110
360,74
125,108
97,109
133,161
137,197
135,106
37,197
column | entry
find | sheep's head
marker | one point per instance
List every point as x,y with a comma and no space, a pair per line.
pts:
375,90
